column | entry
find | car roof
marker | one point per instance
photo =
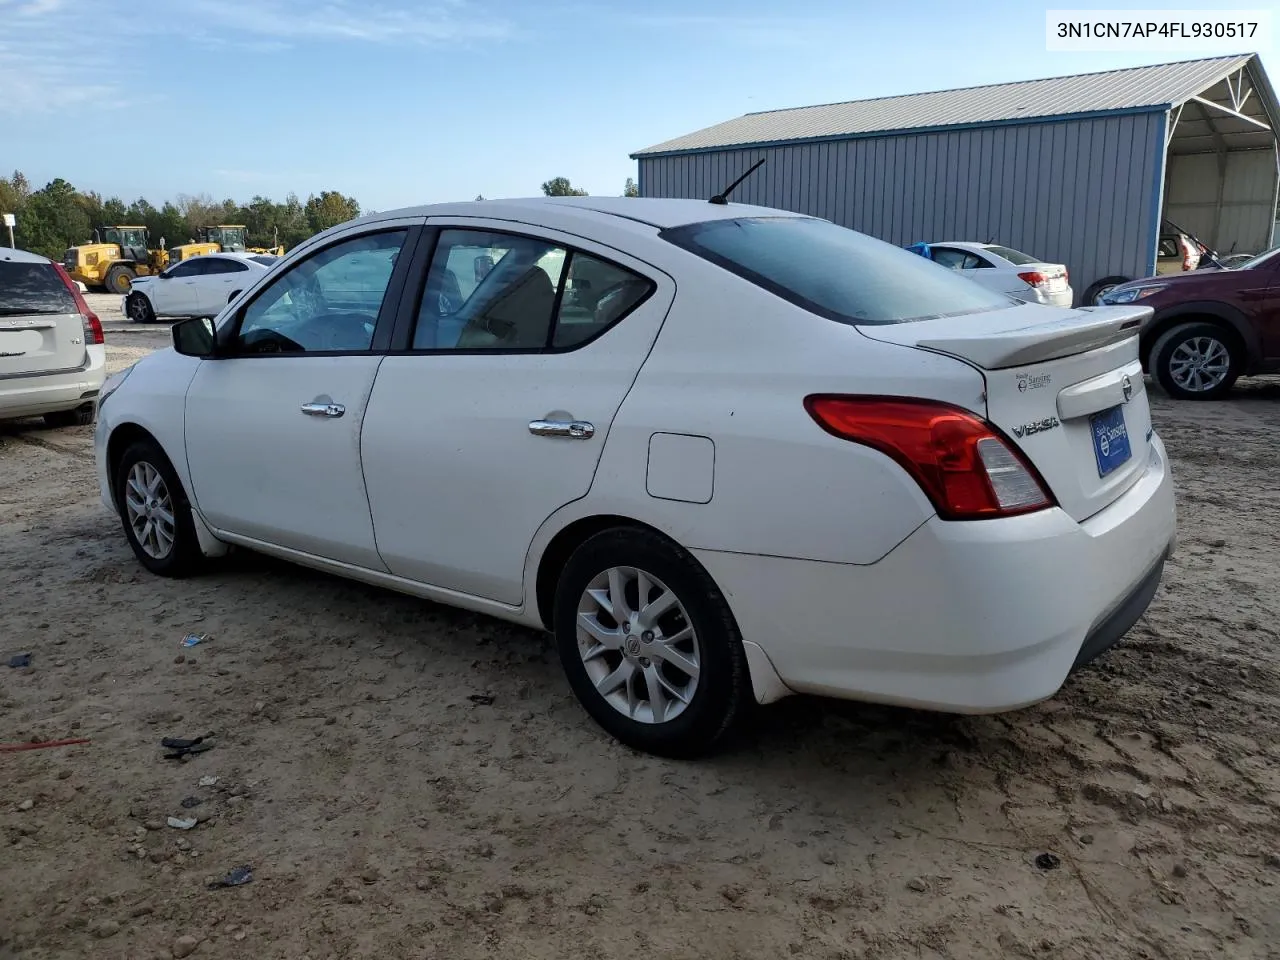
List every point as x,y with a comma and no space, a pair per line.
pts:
21,256
654,211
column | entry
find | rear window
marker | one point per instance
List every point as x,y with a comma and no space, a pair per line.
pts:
265,261
32,288
834,272
1016,257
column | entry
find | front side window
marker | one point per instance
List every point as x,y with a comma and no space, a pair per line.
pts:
834,272
328,302
221,265
186,268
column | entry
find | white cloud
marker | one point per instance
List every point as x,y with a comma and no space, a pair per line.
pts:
445,21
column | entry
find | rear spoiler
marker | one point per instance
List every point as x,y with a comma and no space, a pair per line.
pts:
1085,329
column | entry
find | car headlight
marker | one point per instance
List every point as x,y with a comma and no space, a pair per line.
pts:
112,384
1131,294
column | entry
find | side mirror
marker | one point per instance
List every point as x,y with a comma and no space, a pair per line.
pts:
194,337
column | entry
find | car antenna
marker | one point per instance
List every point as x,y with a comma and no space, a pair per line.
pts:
722,197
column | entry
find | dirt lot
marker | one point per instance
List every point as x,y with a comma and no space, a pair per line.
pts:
386,814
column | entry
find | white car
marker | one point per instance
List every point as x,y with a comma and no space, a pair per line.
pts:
1007,271
720,451
196,287
53,360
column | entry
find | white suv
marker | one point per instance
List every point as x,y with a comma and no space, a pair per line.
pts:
52,357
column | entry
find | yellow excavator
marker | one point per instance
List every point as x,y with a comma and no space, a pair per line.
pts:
114,257
220,238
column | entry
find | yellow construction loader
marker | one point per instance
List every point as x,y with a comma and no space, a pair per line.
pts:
222,238
113,258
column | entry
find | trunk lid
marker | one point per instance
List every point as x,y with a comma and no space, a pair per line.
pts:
41,330
1067,390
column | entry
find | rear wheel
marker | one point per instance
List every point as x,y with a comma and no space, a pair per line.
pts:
155,512
138,308
1093,296
120,279
79,417
648,643
1197,361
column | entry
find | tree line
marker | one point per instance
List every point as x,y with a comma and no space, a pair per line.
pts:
58,215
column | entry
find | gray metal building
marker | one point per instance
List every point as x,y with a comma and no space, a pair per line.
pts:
1078,170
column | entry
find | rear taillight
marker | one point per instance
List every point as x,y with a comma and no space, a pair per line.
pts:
92,325
966,468
1034,277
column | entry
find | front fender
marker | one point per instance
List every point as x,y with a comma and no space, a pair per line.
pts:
1170,316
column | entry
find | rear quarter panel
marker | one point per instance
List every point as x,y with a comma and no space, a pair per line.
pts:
734,364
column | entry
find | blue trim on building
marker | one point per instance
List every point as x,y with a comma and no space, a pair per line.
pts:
910,131
1157,197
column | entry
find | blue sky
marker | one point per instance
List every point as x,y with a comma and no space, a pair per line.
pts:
400,102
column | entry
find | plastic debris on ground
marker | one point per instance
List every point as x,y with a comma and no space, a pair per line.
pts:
180,747
208,781
481,698
237,877
20,660
191,639
182,824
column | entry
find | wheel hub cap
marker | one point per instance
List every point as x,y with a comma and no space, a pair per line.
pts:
638,646
1199,364
149,510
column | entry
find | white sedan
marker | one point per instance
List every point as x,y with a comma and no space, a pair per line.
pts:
722,452
196,287
1007,271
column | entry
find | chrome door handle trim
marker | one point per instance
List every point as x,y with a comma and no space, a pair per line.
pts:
571,429
323,409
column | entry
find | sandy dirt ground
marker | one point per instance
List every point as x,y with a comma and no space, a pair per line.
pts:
385,813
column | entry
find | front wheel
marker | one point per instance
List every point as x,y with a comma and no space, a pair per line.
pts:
649,645
138,308
120,279
1093,296
1196,361
155,512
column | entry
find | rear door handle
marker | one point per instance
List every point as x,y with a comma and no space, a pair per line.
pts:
323,409
571,429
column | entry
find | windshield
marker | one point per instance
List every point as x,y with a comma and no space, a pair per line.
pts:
834,272
1259,260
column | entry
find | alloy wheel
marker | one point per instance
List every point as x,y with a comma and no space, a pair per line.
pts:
150,510
1199,364
638,645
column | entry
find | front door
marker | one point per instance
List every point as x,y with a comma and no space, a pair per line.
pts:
273,426
524,347
175,293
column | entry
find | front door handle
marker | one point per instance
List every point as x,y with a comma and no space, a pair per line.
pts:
323,409
571,429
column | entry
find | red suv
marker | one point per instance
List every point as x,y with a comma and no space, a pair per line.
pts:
1210,326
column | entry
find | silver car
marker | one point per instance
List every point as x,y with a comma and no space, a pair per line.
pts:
52,357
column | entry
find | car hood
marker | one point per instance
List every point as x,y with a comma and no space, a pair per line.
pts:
141,281
1187,280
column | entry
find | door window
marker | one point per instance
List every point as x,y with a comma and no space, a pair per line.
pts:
187,268
957,259
220,265
327,303
496,291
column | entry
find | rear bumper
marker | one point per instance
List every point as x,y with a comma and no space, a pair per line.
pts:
50,393
976,617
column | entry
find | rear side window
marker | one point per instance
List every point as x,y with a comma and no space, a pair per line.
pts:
32,288
1016,257
834,272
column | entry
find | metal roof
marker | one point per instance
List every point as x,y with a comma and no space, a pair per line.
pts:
1137,88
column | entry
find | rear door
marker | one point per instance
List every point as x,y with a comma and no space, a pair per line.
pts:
41,331
492,411
221,275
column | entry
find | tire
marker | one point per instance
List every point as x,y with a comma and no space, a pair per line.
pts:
1186,342
1097,289
120,279
79,417
183,556
138,309
694,717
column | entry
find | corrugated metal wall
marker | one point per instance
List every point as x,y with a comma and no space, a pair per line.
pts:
1079,192
1227,200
